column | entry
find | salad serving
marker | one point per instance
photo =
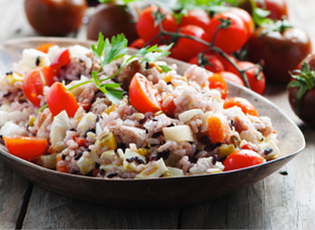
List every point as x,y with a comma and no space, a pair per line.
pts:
104,113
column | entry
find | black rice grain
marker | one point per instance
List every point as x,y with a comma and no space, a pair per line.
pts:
63,157
157,134
78,156
37,62
111,175
267,151
164,154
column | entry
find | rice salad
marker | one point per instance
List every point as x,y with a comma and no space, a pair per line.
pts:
112,138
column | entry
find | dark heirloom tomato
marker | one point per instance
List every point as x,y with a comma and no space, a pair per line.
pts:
302,91
280,52
277,8
55,17
112,19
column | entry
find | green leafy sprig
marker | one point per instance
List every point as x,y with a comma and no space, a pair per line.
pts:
304,79
109,51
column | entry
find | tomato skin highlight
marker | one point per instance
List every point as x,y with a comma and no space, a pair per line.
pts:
247,19
228,39
242,159
59,99
142,95
34,83
244,104
186,48
26,148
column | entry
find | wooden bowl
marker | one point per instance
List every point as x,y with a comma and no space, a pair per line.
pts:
161,192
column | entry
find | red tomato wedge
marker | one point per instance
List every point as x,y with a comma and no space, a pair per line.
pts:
242,103
45,47
242,159
59,99
216,81
142,95
34,83
61,60
26,148
218,128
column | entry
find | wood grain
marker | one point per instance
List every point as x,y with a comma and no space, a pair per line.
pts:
284,200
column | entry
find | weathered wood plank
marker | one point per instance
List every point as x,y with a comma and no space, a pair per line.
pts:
13,191
47,210
13,188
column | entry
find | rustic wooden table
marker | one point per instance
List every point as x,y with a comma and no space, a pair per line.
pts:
281,201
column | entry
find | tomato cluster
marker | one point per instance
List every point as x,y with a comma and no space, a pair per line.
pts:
214,40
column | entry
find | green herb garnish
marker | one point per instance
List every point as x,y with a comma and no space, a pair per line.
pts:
304,79
109,51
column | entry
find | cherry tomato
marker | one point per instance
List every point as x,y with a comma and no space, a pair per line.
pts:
277,8
186,48
61,60
247,19
216,81
244,104
280,51
146,27
45,47
26,148
195,17
34,83
137,44
55,17
228,76
59,99
255,76
231,38
242,159
115,19
142,95
209,62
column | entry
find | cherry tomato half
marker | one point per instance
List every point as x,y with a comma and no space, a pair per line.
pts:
59,99
61,60
26,148
242,159
244,104
34,83
216,81
231,38
142,95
